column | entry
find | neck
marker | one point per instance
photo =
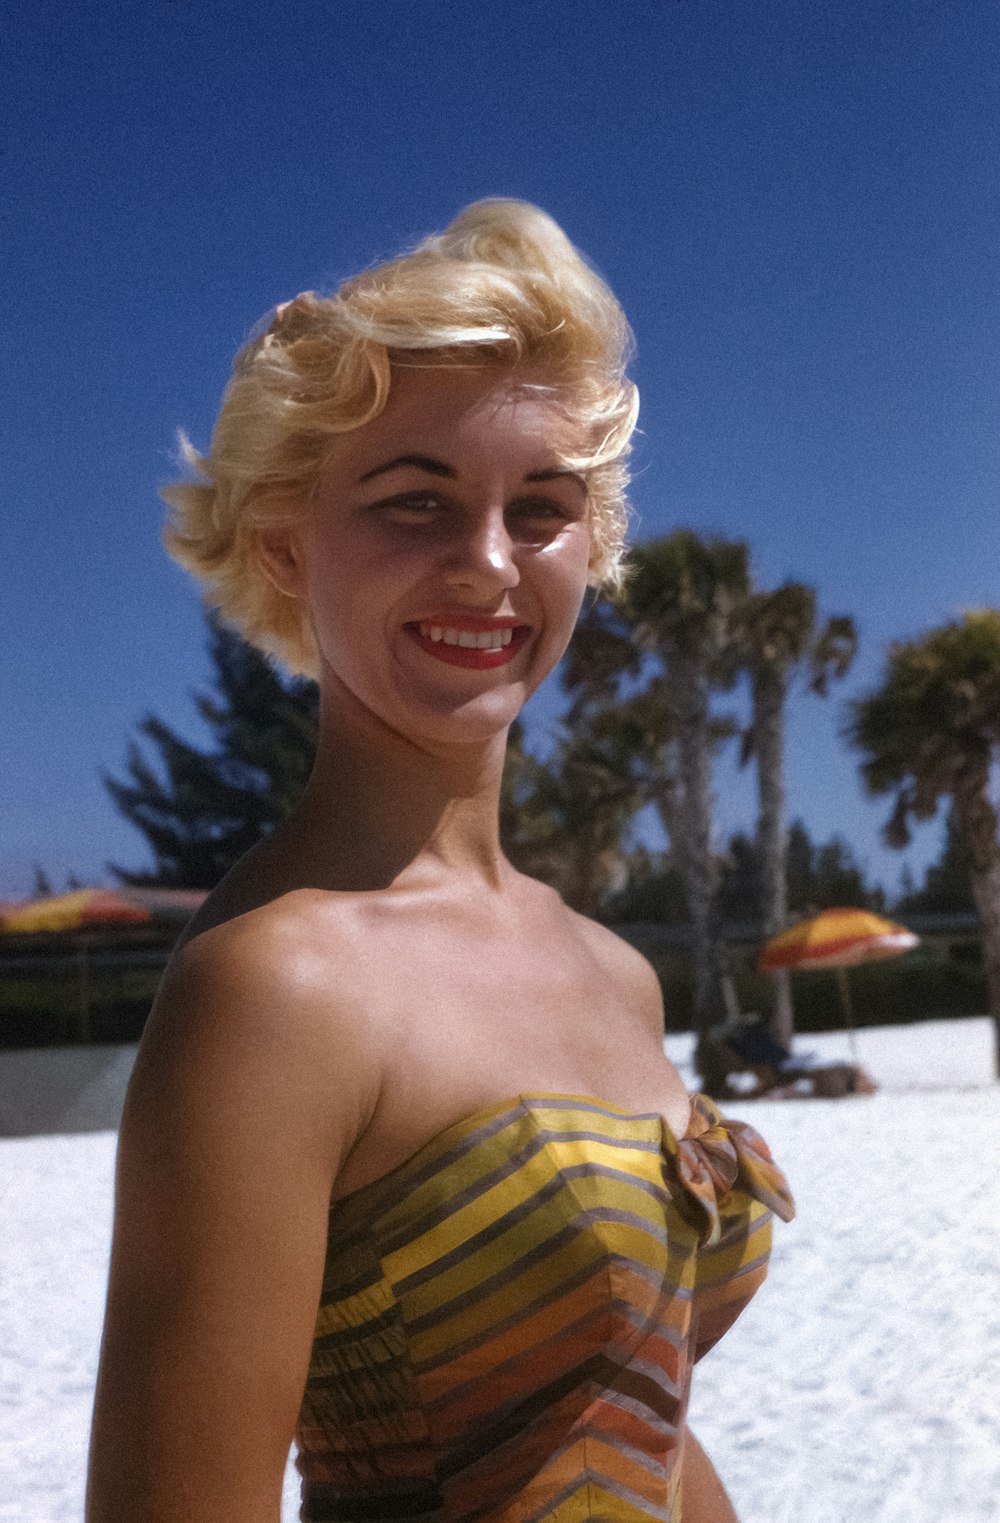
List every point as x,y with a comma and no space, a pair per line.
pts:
381,810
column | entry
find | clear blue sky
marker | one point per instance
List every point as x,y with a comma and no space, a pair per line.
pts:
796,200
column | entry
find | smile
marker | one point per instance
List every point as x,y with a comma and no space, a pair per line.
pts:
470,639
478,648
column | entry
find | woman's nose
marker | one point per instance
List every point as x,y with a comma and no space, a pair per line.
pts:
482,556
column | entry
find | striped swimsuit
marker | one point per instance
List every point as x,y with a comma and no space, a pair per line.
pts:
509,1320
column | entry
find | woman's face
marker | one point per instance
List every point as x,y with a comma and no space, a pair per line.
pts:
445,558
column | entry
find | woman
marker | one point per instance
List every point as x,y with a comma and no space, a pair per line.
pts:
399,1169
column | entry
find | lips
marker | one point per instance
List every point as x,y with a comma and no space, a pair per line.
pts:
464,640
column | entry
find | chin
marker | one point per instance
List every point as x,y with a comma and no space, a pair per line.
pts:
429,718
477,721
455,707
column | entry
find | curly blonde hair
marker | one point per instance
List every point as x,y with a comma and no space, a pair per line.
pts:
502,285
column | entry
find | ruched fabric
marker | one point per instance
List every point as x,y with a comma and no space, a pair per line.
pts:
509,1321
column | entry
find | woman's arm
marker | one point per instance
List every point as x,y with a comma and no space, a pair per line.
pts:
235,1124
704,1496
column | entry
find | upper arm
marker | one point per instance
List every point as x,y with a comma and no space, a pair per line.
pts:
234,1126
705,1499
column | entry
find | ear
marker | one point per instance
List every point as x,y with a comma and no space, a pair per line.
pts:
280,558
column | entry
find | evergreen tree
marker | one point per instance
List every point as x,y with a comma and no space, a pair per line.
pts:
820,876
826,876
740,896
200,810
654,892
947,888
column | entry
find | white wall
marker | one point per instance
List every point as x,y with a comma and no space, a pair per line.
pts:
63,1089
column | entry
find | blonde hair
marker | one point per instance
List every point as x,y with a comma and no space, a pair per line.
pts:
502,285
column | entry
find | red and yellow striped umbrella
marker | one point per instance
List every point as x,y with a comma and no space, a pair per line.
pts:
836,939
72,912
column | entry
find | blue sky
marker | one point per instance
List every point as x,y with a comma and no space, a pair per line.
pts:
796,200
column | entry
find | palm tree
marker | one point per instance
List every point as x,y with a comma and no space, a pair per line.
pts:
931,732
602,655
780,638
563,820
682,597
672,635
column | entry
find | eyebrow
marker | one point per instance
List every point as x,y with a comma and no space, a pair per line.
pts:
421,462
438,468
556,473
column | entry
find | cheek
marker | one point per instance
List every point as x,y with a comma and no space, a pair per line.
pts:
567,563
337,601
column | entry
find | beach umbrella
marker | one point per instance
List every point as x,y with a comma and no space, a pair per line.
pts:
79,914
837,939
166,905
83,909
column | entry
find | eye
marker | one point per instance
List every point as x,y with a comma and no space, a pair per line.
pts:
409,507
538,507
537,518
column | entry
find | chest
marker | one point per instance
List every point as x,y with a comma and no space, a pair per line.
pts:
466,1021
500,1011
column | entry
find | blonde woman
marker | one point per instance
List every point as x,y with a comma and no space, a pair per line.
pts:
404,1173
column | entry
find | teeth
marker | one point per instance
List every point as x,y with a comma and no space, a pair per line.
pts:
486,639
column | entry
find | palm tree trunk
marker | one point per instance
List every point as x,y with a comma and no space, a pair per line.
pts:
986,891
691,700
772,831
977,821
666,797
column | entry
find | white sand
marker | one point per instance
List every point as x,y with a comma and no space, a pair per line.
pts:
862,1386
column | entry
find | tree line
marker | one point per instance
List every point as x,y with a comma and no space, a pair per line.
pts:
646,679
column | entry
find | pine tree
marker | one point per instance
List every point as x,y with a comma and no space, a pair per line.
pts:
200,810
820,875
947,887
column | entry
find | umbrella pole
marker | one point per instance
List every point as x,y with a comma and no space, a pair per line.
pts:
84,992
845,1004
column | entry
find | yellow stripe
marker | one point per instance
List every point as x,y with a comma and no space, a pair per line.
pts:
505,1196
352,1311
501,1254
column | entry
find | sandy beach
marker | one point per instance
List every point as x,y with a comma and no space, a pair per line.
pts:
862,1386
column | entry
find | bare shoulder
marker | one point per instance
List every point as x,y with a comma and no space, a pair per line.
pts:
251,1084
625,966
263,1009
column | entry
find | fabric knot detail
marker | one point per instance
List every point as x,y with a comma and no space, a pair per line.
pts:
712,1157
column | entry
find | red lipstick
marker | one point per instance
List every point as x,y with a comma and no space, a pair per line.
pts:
437,636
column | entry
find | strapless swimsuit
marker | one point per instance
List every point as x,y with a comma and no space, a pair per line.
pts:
509,1320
